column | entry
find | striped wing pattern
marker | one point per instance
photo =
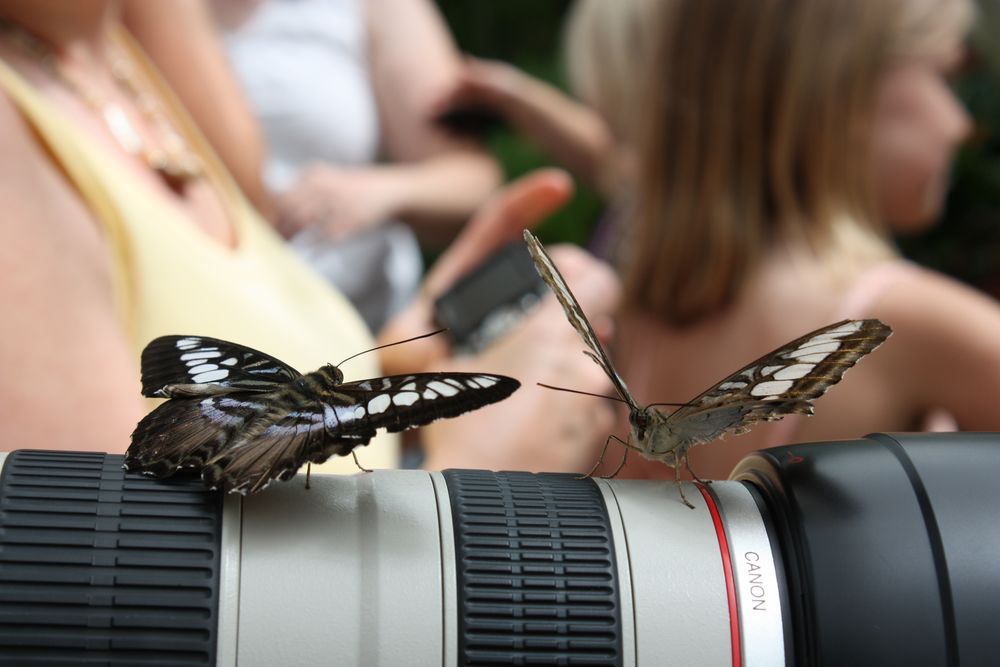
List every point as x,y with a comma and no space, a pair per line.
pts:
241,431
175,366
784,382
574,313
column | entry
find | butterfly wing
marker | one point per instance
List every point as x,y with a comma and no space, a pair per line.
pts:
574,313
400,402
276,450
175,366
186,432
346,417
784,382
243,441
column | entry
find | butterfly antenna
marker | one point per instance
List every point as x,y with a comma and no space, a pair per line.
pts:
398,342
585,393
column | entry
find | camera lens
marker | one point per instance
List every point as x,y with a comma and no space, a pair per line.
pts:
879,551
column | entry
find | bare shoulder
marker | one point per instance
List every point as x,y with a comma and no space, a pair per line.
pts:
934,307
945,350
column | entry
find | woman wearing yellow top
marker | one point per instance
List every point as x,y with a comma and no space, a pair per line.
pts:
120,225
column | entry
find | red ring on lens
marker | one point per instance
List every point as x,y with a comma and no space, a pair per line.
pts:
727,568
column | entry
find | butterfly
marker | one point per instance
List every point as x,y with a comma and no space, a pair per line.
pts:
243,418
780,383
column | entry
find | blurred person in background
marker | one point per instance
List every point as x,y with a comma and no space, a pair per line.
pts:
593,132
779,139
354,162
123,225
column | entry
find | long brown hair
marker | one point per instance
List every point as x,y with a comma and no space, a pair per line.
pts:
756,129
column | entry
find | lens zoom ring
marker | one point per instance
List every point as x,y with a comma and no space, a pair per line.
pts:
537,581
101,567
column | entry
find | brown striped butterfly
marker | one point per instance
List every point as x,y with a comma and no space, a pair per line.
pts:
242,418
780,383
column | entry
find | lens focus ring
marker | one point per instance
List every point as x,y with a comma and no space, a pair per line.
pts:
536,570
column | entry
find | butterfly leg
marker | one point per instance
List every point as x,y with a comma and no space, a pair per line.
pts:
600,459
680,486
309,469
687,464
358,463
620,465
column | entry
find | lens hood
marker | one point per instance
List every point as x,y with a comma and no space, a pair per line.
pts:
891,546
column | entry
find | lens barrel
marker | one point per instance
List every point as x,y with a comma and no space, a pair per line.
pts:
878,551
891,546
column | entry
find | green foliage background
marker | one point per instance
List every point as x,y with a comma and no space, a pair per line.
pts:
966,244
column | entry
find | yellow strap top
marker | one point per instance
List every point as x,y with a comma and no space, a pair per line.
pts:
172,278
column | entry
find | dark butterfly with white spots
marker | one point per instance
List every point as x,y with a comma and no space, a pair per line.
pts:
780,383
243,418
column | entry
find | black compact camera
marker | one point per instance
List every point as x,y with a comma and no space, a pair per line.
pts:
487,302
878,551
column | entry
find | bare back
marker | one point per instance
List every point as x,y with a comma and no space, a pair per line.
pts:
894,389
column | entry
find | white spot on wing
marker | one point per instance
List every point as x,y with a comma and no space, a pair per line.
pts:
203,368
359,412
815,347
771,388
409,386
205,353
378,404
211,376
767,370
834,334
454,383
794,372
330,417
429,394
231,361
812,358
486,380
406,398
472,383
187,343
443,388
727,386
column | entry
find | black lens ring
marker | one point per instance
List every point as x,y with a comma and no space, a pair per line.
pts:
104,567
536,572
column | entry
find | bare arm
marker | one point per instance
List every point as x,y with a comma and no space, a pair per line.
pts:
180,38
70,380
437,180
572,133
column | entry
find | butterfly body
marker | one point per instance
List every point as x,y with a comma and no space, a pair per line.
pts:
243,418
780,383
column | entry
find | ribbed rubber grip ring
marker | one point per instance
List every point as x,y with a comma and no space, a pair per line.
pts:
102,567
537,580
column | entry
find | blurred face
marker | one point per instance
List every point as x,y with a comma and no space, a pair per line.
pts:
918,124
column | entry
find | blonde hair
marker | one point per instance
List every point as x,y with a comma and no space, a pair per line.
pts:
757,130
606,42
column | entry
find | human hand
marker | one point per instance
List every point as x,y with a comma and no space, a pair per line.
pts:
341,200
537,428
500,220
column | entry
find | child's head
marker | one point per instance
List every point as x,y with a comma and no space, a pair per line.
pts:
770,120
917,121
